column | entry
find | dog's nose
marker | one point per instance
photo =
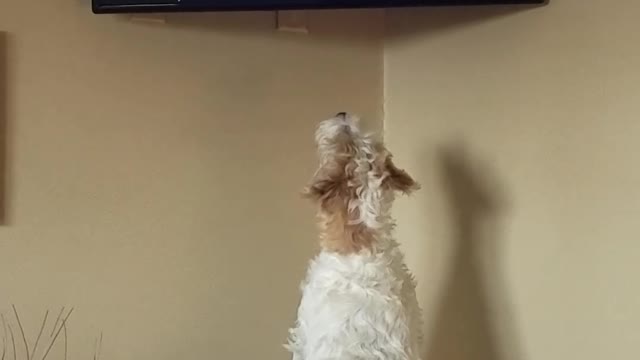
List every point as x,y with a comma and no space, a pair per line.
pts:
342,115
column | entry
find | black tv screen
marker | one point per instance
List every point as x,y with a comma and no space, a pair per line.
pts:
124,6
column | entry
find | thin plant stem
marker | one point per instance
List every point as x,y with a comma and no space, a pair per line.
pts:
99,349
4,327
24,338
55,325
64,326
44,323
4,337
13,342
53,341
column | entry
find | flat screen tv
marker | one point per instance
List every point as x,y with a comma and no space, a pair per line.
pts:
130,6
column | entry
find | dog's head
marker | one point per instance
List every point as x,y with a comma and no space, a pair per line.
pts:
354,185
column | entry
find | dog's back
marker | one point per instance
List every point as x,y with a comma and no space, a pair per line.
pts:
358,306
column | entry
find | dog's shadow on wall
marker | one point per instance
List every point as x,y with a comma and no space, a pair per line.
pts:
472,317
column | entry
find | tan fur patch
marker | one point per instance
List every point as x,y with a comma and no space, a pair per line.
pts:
331,189
341,234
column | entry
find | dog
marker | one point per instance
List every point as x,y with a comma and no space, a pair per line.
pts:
358,299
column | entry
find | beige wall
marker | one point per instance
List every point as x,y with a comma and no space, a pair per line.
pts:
153,172
523,127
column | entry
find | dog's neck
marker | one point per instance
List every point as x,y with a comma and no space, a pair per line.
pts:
362,223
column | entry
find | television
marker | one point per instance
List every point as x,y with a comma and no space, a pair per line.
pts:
133,6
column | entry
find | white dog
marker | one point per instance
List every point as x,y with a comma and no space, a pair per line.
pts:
358,300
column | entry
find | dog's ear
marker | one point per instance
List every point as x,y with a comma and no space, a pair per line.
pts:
398,179
328,183
322,187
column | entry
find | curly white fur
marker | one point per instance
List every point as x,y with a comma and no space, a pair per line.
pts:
362,305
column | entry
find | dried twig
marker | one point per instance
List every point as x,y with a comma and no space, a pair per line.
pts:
95,350
55,325
64,326
44,323
53,341
13,342
4,327
60,326
98,348
4,343
24,338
